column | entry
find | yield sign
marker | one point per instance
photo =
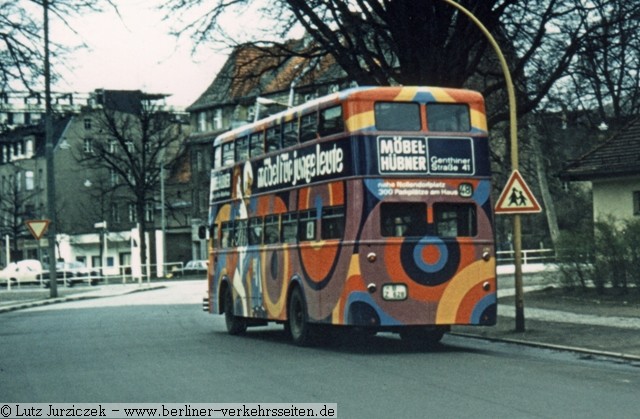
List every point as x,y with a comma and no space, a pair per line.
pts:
516,197
37,227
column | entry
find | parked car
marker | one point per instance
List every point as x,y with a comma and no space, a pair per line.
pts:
23,271
71,273
193,267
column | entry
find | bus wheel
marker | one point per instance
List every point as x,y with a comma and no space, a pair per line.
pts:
298,325
235,325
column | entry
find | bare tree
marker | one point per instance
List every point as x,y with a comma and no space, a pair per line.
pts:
606,76
138,136
16,205
22,38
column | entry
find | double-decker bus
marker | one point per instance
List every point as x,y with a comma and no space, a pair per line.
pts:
366,208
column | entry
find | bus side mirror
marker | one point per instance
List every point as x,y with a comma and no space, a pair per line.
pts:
202,232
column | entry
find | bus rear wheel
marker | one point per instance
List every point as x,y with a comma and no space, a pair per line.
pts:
298,320
235,325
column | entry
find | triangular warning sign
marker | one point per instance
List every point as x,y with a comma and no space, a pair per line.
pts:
37,227
516,197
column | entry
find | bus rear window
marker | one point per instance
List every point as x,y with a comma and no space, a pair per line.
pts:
448,117
455,220
397,116
403,219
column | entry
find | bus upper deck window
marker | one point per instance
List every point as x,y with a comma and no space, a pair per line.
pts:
227,154
397,116
257,144
455,220
448,117
308,127
290,133
272,140
331,121
242,148
402,219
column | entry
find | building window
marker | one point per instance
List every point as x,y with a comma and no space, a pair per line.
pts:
87,124
29,181
202,122
132,213
148,212
88,145
115,214
113,178
217,118
636,202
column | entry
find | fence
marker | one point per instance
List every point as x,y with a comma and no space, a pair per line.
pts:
507,257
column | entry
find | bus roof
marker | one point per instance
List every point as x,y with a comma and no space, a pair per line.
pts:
424,94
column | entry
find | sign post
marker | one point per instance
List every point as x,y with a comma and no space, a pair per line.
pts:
516,198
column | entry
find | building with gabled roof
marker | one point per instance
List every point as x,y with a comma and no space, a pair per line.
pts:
232,99
86,196
613,168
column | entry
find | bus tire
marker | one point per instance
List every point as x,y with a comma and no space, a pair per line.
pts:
235,325
298,319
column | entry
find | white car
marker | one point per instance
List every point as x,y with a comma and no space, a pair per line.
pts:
23,271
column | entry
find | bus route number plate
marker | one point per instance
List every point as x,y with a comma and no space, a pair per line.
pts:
394,292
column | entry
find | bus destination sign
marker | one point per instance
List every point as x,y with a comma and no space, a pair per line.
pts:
425,155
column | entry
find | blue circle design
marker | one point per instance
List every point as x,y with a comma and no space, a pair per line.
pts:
430,267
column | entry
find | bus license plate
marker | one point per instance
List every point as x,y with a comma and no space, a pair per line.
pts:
394,292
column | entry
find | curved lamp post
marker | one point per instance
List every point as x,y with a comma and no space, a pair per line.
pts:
517,226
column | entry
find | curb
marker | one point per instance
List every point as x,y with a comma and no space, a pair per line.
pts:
78,297
564,348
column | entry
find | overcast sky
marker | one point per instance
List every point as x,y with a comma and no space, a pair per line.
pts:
136,52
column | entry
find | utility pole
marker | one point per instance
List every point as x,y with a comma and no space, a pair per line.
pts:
48,128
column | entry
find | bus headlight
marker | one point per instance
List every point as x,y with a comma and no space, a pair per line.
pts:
394,292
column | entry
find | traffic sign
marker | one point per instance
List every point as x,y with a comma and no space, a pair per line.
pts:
516,197
37,227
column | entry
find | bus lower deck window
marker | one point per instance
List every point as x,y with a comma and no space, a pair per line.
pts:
455,220
397,116
403,219
255,231
289,228
240,233
271,229
332,222
307,225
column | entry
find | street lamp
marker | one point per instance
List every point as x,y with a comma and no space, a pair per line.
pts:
517,226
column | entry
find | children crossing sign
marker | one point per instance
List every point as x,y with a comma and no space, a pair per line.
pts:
516,197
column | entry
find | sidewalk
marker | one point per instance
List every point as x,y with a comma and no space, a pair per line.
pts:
22,298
